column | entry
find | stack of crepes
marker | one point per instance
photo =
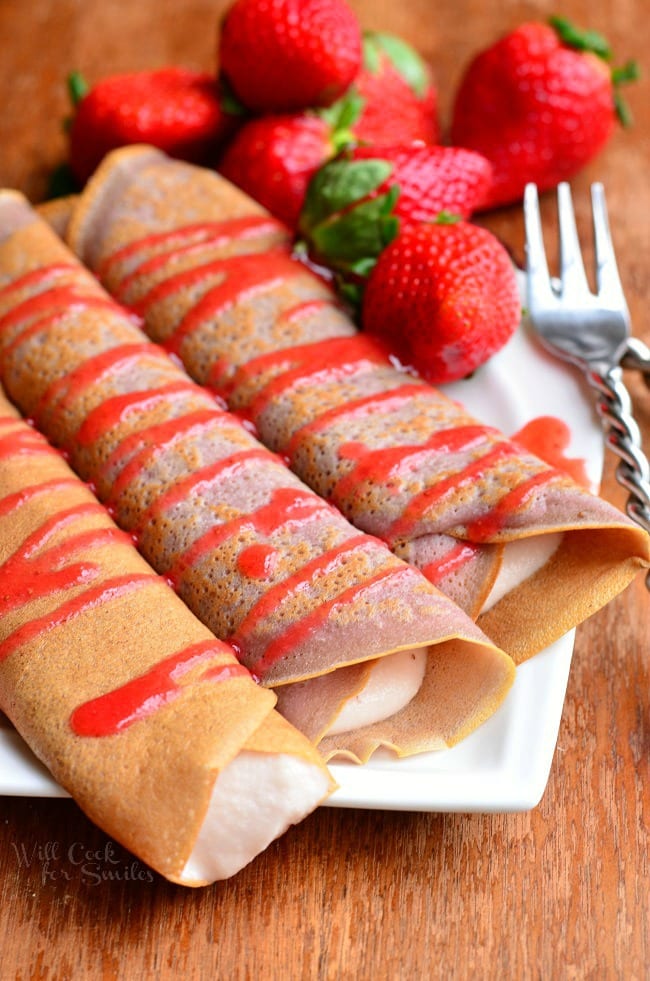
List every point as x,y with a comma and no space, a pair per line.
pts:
313,607
513,540
147,719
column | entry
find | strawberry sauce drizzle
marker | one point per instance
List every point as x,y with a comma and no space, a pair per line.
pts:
298,632
242,276
13,501
355,409
325,563
379,467
90,599
39,277
418,506
178,239
195,483
287,505
548,438
455,559
257,561
116,710
182,243
24,442
116,410
486,527
58,303
143,446
68,387
35,571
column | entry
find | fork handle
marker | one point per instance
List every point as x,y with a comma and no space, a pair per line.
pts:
623,437
636,356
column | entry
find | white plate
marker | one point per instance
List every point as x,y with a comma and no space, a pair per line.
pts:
504,765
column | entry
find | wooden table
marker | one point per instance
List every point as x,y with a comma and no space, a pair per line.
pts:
561,892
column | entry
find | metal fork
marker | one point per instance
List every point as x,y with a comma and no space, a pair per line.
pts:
591,331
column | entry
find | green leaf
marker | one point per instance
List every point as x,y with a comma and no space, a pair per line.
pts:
229,101
62,182
352,293
343,113
405,60
623,75
371,52
629,72
447,218
77,87
339,184
579,39
622,110
357,235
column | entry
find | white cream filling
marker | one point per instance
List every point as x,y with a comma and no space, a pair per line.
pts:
520,560
392,683
254,800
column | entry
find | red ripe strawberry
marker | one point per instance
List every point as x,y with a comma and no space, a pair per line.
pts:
540,104
444,298
273,159
283,55
173,108
398,101
356,203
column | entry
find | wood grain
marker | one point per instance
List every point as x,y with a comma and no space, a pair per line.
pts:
561,892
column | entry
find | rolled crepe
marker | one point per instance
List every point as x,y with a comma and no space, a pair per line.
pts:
148,720
513,540
263,561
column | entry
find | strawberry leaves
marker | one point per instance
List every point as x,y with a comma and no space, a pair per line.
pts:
402,57
345,221
592,41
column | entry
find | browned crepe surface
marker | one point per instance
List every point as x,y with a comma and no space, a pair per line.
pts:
351,609
139,193
149,784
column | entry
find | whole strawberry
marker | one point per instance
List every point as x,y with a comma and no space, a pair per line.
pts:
443,297
173,108
283,55
273,158
398,100
540,104
356,203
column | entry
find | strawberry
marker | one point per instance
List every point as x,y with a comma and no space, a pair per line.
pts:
173,108
356,203
272,158
398,101
443,297
540,104
285,55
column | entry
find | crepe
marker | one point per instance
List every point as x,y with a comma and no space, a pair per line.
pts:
513,540
263,561
147,719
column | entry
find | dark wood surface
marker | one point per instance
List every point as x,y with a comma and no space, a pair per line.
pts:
561,892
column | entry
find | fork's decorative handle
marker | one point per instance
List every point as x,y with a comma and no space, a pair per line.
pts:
636,356
623,438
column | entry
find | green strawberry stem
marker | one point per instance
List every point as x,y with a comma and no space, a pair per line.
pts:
340,117
77,87
229,101
598,45
623,75
404,59
579,39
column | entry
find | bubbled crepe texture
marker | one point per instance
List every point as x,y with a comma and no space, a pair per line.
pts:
138,192
350,616
149,785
